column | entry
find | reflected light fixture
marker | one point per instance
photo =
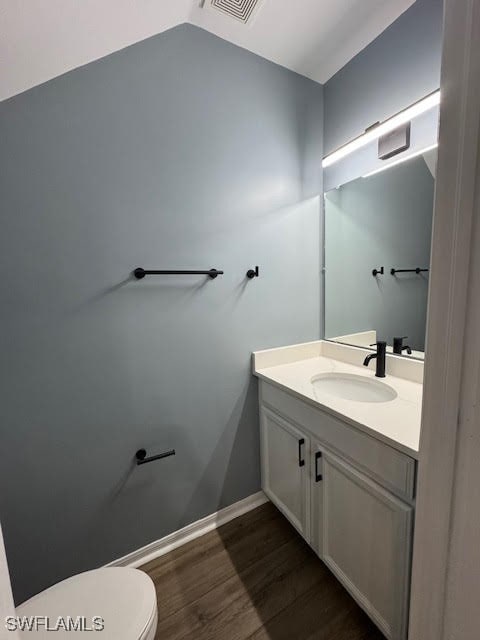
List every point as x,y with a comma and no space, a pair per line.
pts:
378,130
400,160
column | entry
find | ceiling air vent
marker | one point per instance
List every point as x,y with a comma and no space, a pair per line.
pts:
239,9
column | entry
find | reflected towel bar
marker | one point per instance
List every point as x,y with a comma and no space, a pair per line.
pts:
417,271
141,456
140,273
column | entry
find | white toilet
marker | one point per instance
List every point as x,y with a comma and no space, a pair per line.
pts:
124,598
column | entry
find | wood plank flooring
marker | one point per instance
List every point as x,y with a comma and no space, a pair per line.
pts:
253,578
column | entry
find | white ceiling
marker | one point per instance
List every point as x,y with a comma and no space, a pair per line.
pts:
41,39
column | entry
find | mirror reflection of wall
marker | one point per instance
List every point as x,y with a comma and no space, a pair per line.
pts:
384,219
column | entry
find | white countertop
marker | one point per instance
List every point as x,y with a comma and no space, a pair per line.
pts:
396,422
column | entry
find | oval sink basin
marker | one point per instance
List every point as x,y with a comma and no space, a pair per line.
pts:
349,386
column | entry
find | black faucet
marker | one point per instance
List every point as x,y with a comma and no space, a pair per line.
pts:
380,357
398,346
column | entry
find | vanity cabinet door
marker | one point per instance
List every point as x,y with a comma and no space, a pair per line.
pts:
285,469
366,543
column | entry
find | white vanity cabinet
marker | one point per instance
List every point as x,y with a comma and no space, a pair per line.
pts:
349,495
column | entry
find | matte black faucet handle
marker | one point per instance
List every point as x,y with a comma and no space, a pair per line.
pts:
398,345
380,358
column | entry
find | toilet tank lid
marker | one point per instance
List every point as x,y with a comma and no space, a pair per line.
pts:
123,598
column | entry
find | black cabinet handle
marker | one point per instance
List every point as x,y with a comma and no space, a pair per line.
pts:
318,476
301,461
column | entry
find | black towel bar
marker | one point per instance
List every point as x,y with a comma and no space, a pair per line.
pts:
140,273
417,271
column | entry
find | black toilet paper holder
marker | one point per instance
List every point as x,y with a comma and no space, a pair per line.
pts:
141,456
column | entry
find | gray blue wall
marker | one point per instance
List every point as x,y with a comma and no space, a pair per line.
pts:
401,66
182,151
384,220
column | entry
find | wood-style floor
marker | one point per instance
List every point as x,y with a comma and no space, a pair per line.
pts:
253,578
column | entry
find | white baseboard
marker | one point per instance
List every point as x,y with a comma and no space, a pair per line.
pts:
190,532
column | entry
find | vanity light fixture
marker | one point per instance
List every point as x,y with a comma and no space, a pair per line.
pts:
400,160
380,129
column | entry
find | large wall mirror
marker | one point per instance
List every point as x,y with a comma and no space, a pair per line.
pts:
380,220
